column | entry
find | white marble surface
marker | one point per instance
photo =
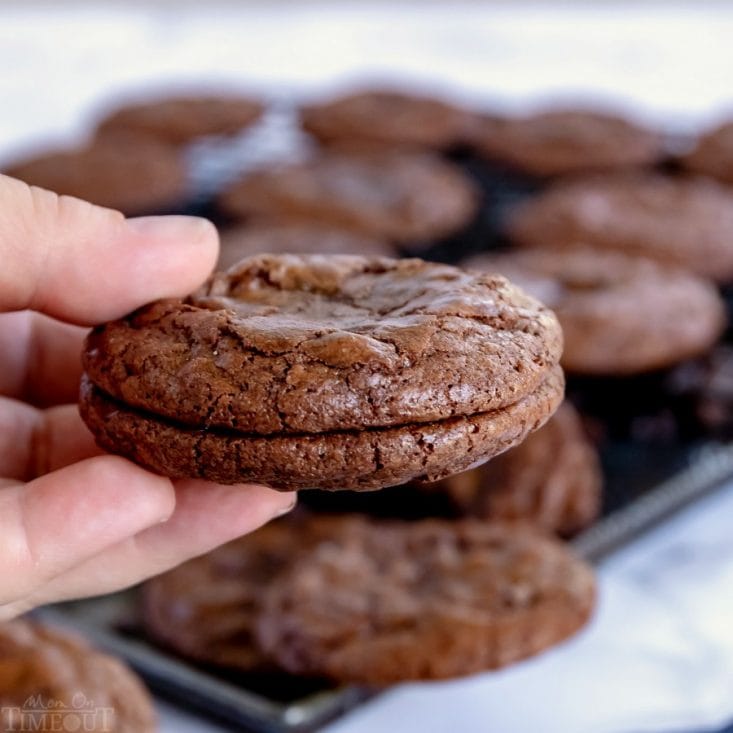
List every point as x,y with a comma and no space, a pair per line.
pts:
659,655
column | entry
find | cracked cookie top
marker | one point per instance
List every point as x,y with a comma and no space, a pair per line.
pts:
309,344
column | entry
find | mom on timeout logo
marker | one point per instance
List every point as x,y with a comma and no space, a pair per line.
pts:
41,714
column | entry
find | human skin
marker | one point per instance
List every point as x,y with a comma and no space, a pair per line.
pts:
75,522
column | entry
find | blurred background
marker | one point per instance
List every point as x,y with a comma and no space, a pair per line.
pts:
665,61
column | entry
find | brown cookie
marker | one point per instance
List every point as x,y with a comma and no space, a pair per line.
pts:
299,239
337,372
179,120
387,602
552,479
713,154
402,197
354,460
131,174
562,142
619,314
207,608
685,222
387,117
50,680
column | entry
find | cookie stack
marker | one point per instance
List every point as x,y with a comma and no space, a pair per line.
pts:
337,372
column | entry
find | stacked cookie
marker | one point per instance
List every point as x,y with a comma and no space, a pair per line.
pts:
325,372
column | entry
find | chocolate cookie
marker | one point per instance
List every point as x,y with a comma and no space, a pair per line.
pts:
281,238
619,314
713,154
131,174
51,680
552,479
390,118
179,120
313,372
557,143
394,601
206,609
685,222
403,197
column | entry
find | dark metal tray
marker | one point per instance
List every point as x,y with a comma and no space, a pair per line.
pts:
651,471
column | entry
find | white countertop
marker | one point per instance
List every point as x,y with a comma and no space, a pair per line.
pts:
659,654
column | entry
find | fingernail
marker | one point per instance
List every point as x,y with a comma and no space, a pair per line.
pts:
190,228
290,507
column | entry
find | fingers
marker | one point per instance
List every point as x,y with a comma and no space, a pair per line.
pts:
41,358
86,264
58,521
34,442
206,516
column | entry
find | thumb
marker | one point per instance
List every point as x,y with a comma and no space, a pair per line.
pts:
86,264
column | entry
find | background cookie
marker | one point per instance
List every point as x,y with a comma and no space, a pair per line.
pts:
206,609
386,602
286,360
132,174
560,142
713,154
389,118
179,120
396,196
685,222
619,314
39,661
552,479
281,238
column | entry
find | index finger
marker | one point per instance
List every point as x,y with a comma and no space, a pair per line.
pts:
85,264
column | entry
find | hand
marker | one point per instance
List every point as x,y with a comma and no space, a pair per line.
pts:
75,522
